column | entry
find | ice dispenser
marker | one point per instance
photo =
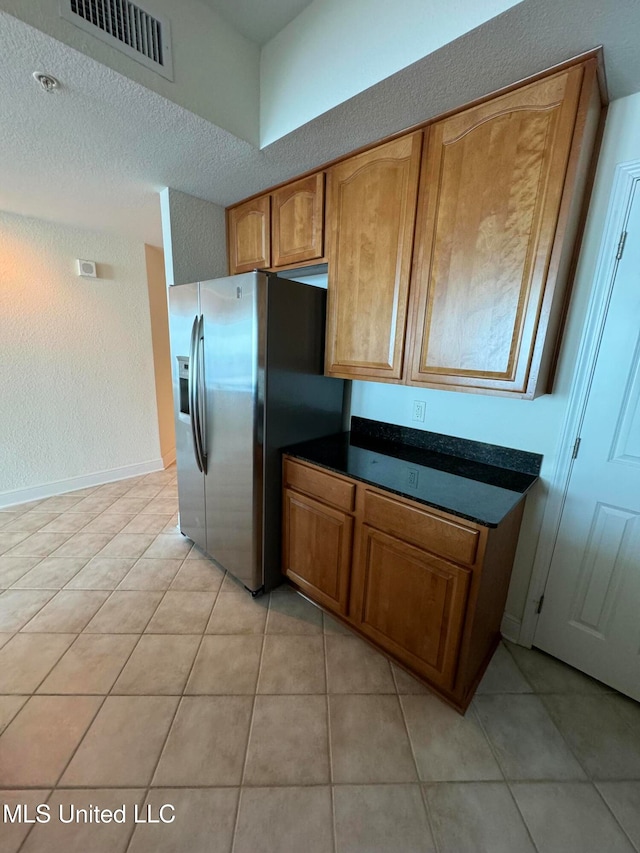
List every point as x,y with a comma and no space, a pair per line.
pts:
183,377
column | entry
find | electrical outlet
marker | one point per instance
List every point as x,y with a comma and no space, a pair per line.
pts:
412,478
419,410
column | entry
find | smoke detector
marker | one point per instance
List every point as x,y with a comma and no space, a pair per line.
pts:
47,82
87,269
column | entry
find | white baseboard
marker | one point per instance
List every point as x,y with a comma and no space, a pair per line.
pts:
47,490
169,458
510,628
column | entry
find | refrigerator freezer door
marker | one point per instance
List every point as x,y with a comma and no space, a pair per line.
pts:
234,311
183,313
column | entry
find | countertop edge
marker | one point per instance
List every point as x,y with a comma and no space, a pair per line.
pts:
295,453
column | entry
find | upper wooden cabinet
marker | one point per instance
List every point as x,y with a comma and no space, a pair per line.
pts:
283,228
371,207
249,235
495,228
297,212
447,266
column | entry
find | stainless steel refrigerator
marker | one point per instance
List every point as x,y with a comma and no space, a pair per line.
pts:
247,365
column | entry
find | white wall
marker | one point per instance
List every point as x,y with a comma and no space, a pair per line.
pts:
337,48
159,317
528,425
216,70
194,238
78,398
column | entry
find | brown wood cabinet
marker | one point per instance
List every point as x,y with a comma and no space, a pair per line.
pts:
449,248
249,235
371,208
318,534
410,603
281,229
495,179
297,212
426,587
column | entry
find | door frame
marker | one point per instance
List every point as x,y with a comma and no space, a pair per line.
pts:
626,177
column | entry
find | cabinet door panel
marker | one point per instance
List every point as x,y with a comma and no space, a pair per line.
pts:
297,216
493,178
410,603
371,204
249,236
317,549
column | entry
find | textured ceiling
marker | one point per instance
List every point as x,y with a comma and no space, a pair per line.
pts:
96,152
258,21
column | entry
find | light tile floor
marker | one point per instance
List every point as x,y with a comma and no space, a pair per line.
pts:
133,671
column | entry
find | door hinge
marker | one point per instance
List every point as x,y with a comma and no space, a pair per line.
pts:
576,448
621,242
540,603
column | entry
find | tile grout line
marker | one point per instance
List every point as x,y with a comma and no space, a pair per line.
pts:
173,719
334,827
93,718
307,785
522,817
609,809
80,742
509,781
134,827
8,525
202,637
420,783
120,588
472,711
33,615
64,654
24,628
8,553
128,658
246,751
31,828
110,596
47,674
427,808
38,565
564,739
18,630
3,589
409,738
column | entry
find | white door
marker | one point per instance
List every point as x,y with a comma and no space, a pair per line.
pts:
591,612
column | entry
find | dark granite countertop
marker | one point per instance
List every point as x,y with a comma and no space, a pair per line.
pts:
477,481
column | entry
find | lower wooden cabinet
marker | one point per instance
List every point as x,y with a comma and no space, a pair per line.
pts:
426,587
317,549
410,603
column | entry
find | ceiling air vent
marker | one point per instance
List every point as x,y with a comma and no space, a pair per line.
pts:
126,27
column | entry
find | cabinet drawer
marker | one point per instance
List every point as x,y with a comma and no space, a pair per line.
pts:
319,484
452,540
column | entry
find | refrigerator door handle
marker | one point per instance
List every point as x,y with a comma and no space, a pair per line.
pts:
192,388
200,391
